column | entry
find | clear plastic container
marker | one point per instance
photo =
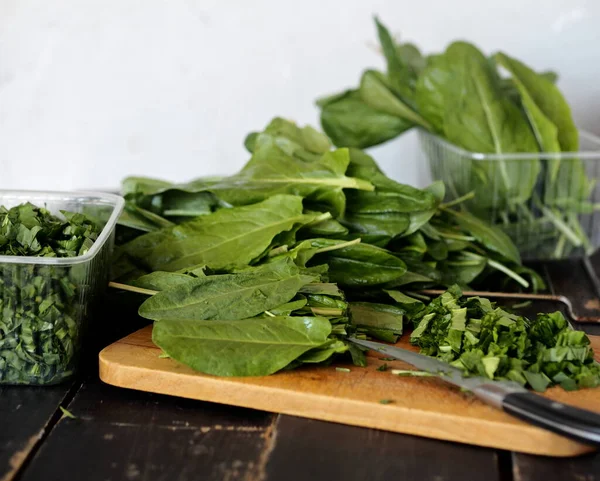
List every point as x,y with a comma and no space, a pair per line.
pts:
45,302
548,203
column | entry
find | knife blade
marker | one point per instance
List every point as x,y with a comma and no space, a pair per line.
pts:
575,423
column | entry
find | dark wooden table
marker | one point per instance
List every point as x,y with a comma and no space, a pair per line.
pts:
127,435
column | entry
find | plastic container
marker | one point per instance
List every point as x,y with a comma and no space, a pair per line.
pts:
548,203
45,302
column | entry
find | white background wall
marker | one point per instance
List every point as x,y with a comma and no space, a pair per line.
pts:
93,90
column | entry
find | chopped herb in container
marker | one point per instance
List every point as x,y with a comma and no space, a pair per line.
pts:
53,263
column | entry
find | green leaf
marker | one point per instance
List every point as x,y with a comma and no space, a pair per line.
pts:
538,381
306,138
324,228
251,347
462,269
490,365
463,97
358,356
402,298
305,250
361,265
457,328
176,203
417,220
324,353
162,281
388,225
149,201
399,74
144,185
437,189
477,117
289,307
271,171
411,56
225,239
375,92
527,81
228,296
572,185
138,218
491,237
432,92
388,195
327,289
547,97
350,122
532,88
392,209
130,217
377,316
412,278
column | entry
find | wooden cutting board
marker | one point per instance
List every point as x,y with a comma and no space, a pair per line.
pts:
420,406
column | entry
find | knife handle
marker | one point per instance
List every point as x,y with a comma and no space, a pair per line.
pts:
577,424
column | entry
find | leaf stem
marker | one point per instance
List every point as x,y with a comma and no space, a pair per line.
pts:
338,246
467,196
561,226
320,218
560,247
498,266
457,237
327,311
127,287
508,272
278,250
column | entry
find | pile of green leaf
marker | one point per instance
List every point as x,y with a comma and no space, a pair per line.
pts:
247,271
484,340
40,304
461,96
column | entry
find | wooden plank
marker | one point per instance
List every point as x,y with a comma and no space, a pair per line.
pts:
320,451
538,468
425,407
28,413
25,413
127,435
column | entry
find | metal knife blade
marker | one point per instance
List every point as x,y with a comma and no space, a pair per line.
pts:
447,372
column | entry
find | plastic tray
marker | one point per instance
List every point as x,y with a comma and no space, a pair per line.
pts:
45,302
548,203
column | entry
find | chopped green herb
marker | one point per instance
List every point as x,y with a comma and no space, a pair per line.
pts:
474,335
40,305
409,373
521,305
342,369
67,414
383,367
386,401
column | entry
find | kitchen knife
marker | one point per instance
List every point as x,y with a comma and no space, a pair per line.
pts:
575,423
